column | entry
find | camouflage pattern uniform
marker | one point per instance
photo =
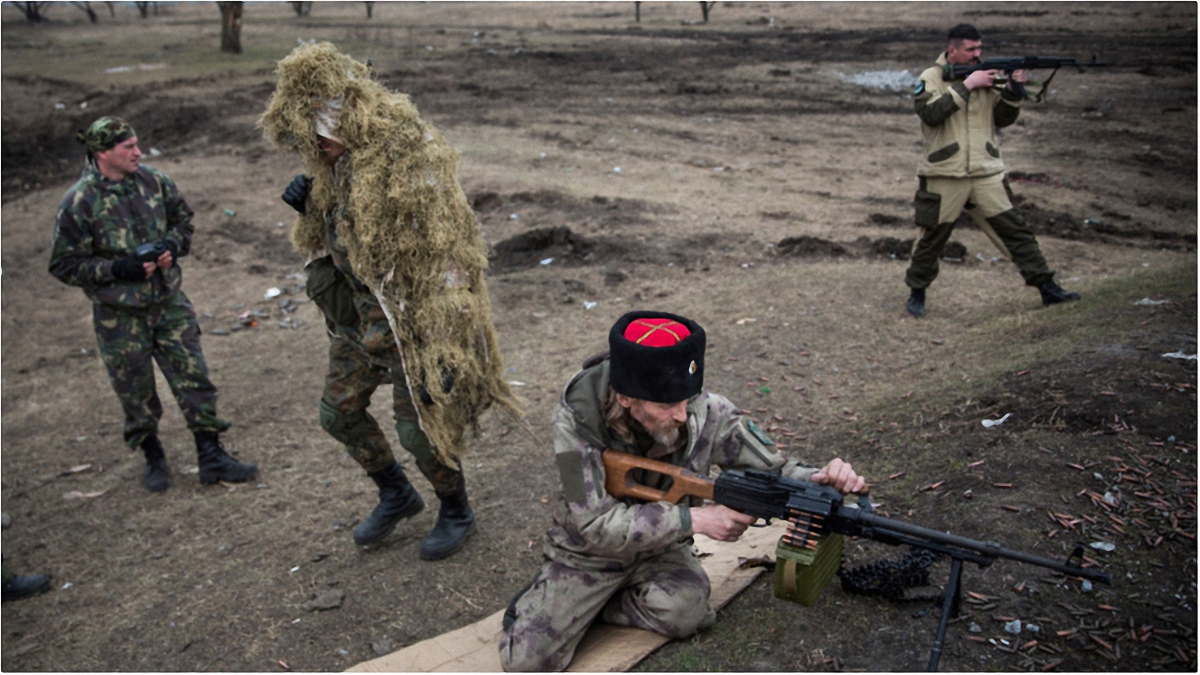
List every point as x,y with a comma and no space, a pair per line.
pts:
626,562
362,356
100,221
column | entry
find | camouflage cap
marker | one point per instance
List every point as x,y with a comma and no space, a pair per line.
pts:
105,133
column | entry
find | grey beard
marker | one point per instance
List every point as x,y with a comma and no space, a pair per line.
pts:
667,438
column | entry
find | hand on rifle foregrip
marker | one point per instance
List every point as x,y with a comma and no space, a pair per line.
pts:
840,476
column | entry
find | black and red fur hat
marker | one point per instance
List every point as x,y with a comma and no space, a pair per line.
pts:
656,356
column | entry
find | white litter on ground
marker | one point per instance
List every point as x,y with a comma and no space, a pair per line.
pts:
894,80
988,424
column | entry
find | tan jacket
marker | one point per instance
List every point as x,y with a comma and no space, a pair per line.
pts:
960,125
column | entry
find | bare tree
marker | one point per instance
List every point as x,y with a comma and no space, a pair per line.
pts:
705,7
370,6
637,12
302,8
143,8
32,10
87,7
231,27
112,10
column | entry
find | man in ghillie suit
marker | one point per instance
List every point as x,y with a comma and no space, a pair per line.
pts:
396,265
119,233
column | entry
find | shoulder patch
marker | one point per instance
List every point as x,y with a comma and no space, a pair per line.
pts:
570,470
920,88
759,433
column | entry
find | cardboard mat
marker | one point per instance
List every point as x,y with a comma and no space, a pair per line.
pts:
475,648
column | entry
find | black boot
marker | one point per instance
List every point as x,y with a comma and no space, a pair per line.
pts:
398,500
155,478
1052,294
916,303
25,586
455,523
215,465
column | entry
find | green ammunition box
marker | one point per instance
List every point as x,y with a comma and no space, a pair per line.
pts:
801,574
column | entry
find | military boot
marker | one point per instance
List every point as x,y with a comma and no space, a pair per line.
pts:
455,523
215,465
155,477
398,500
916,303
1052,294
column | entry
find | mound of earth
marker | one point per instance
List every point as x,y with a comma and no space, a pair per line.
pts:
806,246
529,249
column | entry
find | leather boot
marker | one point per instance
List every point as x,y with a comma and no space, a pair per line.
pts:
155,477
455,523
24,586
916,303
398,500
215,465
1052,294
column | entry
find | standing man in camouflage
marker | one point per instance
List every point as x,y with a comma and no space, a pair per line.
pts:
118,235
961,168
626,561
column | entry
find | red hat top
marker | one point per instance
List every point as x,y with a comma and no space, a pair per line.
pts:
656,332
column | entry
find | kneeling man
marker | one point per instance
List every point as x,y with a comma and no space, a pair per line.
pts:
626,561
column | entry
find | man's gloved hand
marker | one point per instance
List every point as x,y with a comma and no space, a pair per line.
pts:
297,192
128,268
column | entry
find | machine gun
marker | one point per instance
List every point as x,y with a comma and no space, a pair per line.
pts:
813,511
1010,63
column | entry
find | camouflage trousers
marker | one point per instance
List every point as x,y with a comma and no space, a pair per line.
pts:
131,340
355,372
667,594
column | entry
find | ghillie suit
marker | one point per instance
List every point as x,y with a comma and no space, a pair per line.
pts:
409,231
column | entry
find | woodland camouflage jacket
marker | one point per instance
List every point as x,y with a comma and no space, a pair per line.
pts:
592,529
100,221
960,125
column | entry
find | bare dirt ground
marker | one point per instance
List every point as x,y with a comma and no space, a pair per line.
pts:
734,172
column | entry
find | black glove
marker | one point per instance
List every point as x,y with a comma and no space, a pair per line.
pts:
172,248
297,192
128,268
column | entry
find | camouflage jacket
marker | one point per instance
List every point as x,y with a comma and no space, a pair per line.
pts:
960,125
100,221
591,528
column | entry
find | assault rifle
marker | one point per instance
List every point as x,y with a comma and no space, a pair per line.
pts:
813,510
1010,63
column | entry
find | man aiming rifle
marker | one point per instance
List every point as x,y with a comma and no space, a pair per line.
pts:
961,168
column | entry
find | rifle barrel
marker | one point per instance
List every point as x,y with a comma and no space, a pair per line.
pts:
986,548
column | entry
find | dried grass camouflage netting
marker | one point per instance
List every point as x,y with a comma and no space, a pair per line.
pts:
409,231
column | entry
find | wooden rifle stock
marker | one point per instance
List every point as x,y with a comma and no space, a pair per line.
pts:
619,482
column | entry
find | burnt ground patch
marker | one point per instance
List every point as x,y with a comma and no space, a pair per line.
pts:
561,246
806,246
599,213
1106,231
1113,228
